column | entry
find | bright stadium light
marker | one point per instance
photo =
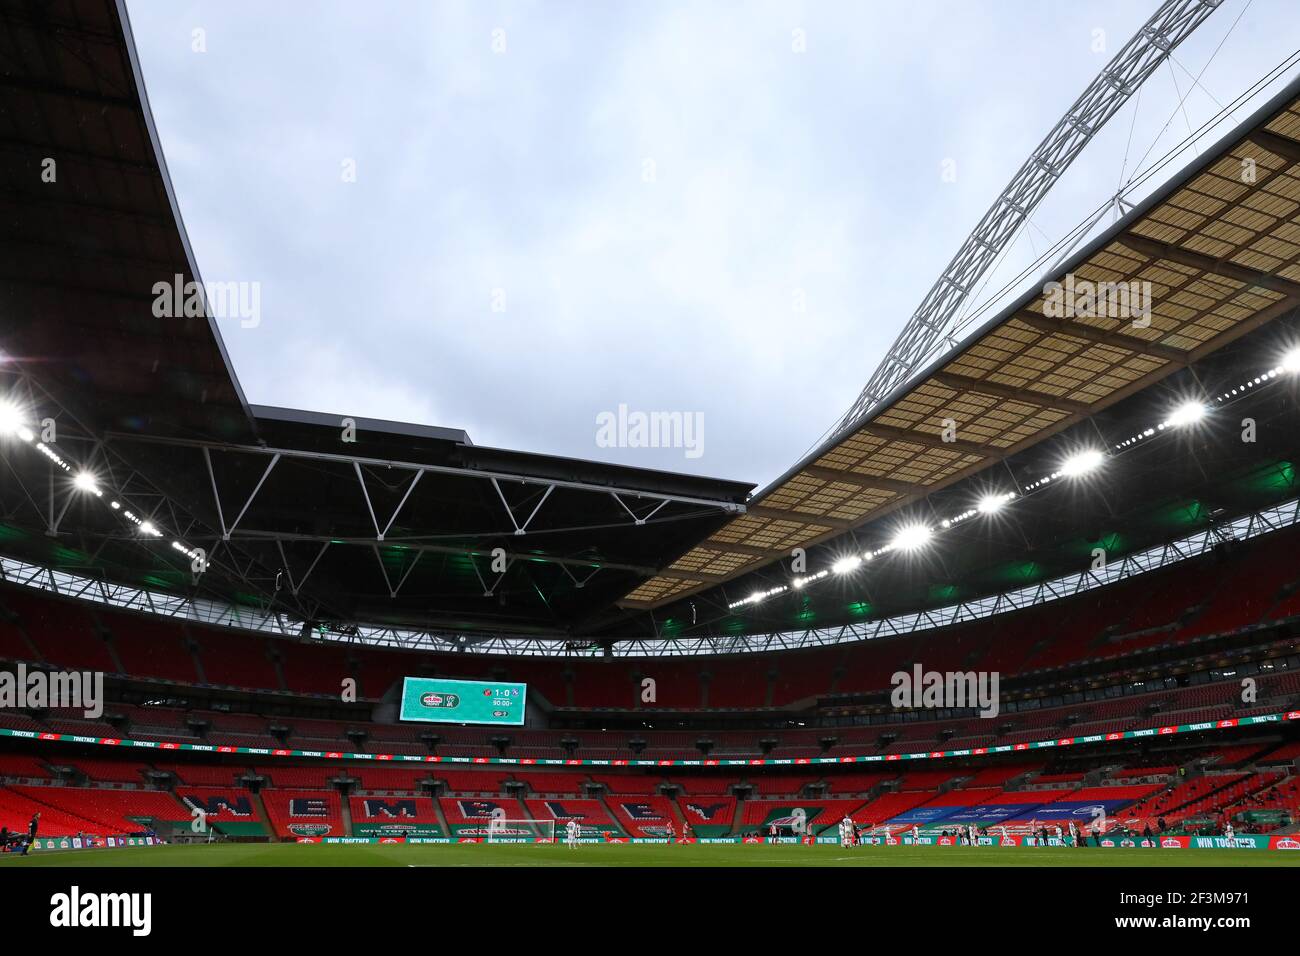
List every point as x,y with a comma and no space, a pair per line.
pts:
1291,361
912,537
1189,413
85,481
809,579
845,565
11,419
1082,463
991,503
754,598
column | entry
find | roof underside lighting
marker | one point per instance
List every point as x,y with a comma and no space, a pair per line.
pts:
85,481
1189,413
991,503
912,537
11,418
1082,463
845,565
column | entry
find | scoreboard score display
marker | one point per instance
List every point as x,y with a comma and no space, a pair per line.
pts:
435,700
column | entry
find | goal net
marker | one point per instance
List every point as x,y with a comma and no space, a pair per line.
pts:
502,830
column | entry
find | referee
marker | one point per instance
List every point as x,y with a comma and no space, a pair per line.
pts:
31,831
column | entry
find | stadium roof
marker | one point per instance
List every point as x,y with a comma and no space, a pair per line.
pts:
398,524
1220,247
90,223
398,527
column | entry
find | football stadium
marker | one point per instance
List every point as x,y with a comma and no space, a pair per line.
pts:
1033,602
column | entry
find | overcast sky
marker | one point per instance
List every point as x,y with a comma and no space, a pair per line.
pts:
722,209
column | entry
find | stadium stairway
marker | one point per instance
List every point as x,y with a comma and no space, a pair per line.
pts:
738,819
112,649
609,811
260,804
277,664
193,645
679,821
347,815
442,817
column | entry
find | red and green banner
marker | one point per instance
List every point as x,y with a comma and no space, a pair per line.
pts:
1169,730
397,829
1245,842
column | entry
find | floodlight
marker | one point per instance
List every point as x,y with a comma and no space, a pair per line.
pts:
1082,463
1189,413
912,537
11,418
845,565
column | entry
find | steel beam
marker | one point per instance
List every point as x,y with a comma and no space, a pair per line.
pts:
935,320
964,383
1155,249
1090,333
727,507
861,480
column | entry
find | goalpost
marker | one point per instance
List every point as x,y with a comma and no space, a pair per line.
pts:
503,830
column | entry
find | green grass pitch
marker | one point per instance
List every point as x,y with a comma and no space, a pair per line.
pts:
729,855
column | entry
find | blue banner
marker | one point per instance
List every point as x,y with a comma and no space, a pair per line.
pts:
923,815
1084,810
991,812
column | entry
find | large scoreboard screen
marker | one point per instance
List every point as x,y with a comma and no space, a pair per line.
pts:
436,700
